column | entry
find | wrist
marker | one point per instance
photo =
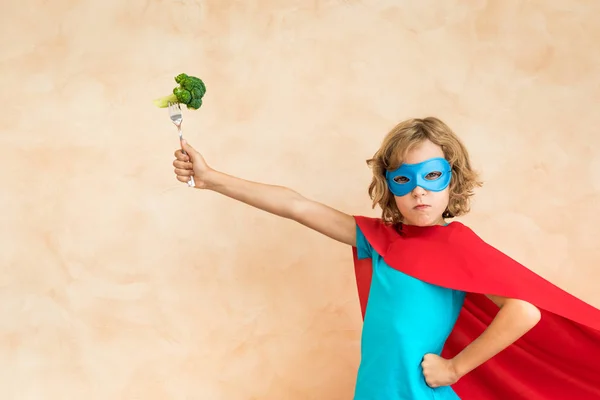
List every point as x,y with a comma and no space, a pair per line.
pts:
457,368
211,179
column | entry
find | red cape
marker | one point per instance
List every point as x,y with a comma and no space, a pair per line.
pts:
559,359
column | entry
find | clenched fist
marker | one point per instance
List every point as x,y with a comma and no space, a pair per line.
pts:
438,371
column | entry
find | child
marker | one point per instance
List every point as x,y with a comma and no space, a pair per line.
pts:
420,274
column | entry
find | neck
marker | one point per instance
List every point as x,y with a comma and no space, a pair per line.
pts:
440,221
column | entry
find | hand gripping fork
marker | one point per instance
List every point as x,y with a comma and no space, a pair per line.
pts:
177,119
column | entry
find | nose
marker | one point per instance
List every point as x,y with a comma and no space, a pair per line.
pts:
418,191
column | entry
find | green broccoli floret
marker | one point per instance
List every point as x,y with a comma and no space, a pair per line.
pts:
189,92
196,93
183,96
195,104
181,77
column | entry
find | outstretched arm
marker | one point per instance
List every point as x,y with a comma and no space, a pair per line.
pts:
513,320
286,203
277,200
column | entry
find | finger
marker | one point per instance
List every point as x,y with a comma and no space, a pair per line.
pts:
180,156
184,179
184,172
430,382
183,164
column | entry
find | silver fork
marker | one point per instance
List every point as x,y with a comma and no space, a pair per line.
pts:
177,118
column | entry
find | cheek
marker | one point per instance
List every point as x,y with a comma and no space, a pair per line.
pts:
442,198
404,203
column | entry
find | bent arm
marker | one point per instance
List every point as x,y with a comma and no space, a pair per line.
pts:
513,320
286,203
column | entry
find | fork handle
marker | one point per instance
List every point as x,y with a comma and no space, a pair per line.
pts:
191,182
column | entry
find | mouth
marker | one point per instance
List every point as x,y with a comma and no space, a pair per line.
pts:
421,207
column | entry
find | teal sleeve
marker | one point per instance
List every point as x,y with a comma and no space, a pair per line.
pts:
364,249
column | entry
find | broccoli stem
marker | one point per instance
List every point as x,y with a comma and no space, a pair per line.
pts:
163,102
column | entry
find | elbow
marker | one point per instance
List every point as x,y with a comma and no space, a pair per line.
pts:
296,207
529,314
534,315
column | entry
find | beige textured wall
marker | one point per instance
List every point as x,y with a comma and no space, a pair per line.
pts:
119,283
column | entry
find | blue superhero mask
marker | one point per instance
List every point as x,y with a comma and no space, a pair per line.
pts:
433,175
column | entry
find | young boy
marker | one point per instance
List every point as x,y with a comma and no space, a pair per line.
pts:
409,265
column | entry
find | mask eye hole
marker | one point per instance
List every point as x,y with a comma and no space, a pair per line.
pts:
432,176
401,179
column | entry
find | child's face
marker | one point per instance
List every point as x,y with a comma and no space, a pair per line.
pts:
420,206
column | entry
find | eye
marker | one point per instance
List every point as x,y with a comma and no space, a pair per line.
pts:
401,179
433,175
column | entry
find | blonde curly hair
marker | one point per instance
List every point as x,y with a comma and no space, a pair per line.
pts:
400,140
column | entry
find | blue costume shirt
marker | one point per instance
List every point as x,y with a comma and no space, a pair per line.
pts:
405,319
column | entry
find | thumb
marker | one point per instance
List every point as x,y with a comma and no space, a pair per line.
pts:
188,149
